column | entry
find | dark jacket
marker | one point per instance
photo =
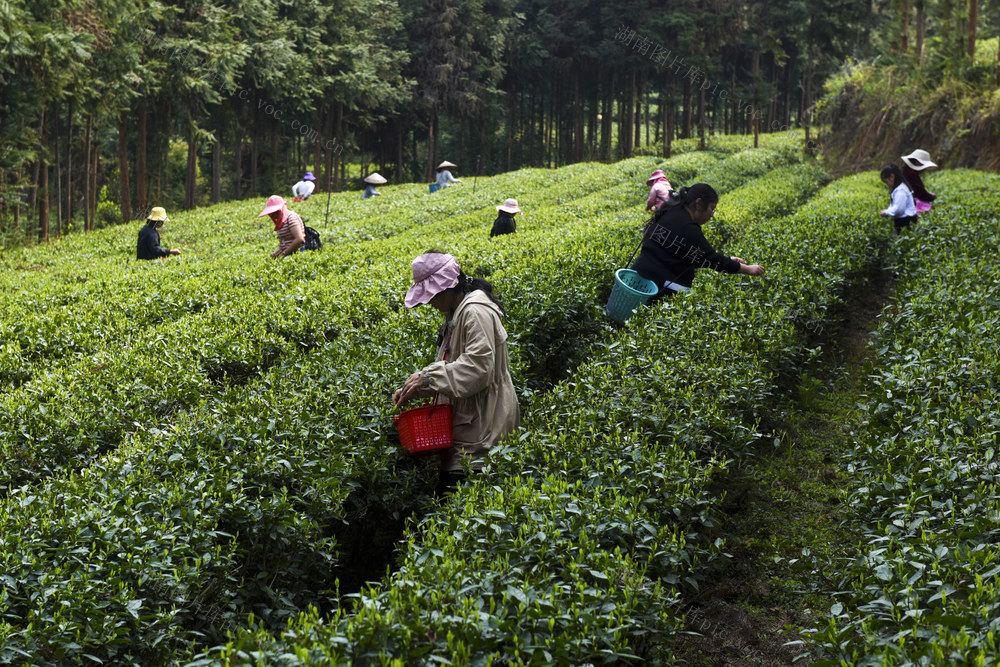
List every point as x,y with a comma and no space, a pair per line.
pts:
912,177
504,224
673,246
148,245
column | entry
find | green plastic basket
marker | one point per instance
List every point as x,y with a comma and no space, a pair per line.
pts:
630,291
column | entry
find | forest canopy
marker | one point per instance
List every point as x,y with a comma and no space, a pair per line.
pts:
108,107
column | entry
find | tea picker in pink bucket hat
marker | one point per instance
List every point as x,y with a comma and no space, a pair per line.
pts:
471,369
659,190
504,224
287,225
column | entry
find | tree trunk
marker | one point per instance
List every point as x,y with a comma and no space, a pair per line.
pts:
667,118
238,167
140,161
946,19
57,140
646,112
17,204
431,131
33,197
807,97
921,25
628,118
43,203
607,118
577,117
399,151
277,173
318,149
701,118
461,134
217,168
904,25
973,20
328,147
786,115
88,221
254,139
191,172
550,128
339,164
511,105
123,167
42,185
69,165
866,40
688,110
94,191
637,113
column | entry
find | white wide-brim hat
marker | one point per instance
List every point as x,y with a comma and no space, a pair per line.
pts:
446,165
375,178
510,206
433,272
918,160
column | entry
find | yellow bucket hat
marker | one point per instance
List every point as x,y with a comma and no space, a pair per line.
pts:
158,213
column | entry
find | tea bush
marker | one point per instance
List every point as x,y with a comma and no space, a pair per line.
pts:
242,490
647,421
923,589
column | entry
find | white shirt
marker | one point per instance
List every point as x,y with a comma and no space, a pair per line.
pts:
444,178
303,188
902,203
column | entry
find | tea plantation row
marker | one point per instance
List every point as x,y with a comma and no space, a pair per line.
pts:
127,344
924,590
234,500
575,545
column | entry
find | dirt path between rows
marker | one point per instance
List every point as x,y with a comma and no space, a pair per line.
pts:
784,519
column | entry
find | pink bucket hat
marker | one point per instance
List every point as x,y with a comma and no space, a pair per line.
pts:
274,203
656,175
433,272
510,206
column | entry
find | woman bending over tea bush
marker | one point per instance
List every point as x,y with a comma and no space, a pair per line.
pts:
673,245
471,369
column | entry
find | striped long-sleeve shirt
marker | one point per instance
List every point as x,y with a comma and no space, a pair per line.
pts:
287,232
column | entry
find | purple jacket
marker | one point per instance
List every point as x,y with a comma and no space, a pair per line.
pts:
658,193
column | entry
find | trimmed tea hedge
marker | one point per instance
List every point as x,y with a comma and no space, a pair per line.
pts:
232,506
581,515
924,588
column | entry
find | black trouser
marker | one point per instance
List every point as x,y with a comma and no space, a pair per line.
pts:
448,481
904,222
664,291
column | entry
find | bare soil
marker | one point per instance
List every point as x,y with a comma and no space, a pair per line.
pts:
785,520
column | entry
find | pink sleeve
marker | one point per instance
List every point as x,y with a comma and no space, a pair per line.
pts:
652,196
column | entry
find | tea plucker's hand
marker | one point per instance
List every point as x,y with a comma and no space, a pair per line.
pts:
749,269
409,389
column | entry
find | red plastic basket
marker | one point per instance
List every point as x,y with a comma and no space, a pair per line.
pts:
425,430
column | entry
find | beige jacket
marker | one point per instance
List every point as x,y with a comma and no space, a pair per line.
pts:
475,379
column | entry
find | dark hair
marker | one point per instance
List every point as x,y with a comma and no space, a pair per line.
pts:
689,196
894,170
468,284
